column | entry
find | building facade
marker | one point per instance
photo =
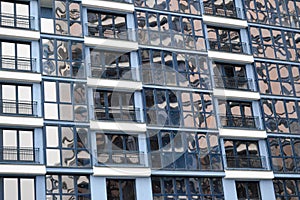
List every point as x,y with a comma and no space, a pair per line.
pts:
149,99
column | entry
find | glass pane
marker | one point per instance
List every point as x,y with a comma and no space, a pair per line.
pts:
27,189
10,189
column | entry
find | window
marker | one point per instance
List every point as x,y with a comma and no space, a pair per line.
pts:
285,154
16,100
65,101
221,8
247,190
167,30
278,79
243,154
23,188
114,105
237,114
67,146
172,69
15,14
228,40
63,58
276,12
17,145
61,17
281,116
68,187
287,188
179,109
107,25
111,65
16,56
187,188
118,149
275,44
122,189
231,76
184,150
180,6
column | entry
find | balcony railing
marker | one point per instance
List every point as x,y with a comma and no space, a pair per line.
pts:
121,158
232,46
110,72
236,83
234,12
13,154
116,114
193,161
236,121
11,107
17,63
111,33
121,1
246,162
16,21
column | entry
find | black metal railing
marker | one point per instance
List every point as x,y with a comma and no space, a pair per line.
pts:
13,154
233,12
111,72
16,21
121,1
246,162
232,46
11,107
121,158
17,63
233,121
111,33
116,114
238,83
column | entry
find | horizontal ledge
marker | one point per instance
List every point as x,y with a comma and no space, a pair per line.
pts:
118,126
27,77
21,121
224,21
246,174
111,44
115,84
242,133
22,169
235,58
236,94
110,5
122,171
19,34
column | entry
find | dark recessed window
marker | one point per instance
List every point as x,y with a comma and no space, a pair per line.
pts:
287,188
247,190
223,8
121,189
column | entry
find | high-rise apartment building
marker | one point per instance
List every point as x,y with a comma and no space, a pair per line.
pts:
149,99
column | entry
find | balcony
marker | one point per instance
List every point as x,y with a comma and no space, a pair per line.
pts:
17,64
20,108
117,114
234,12
19,155
244,162
235,83
241,122
17,21
121,158
231,47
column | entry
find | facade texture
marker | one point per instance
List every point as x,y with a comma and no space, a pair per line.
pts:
149,99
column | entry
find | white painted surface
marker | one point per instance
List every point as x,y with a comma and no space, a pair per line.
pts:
236,94
225,22
121,172
21,121
253,175
110,5
23,169
230,57
227,132
111,44
118,126
118,84
21,76
19,34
